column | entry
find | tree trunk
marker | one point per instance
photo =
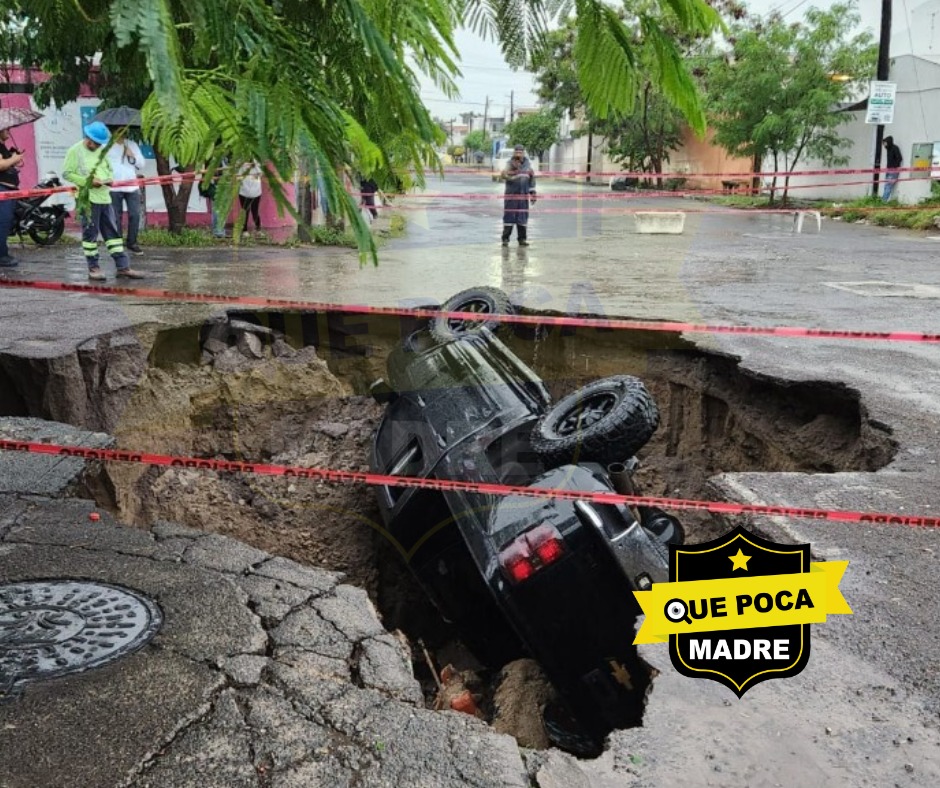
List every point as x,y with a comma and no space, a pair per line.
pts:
305,203
773,182
176,199
589,154
334,219
756,168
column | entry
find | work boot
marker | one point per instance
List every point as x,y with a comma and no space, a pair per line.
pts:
96,275
8,262
129,273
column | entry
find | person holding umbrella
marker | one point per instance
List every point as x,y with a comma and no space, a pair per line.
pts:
11,159
87,167
127,163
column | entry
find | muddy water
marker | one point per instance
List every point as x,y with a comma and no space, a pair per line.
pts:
312,409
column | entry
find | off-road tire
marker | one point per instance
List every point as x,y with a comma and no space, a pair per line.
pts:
604,422
485,300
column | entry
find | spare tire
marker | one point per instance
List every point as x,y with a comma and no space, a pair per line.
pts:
604,421
481,300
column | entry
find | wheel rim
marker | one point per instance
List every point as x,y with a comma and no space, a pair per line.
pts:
477,306
586,412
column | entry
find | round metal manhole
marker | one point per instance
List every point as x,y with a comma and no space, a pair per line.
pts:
52,627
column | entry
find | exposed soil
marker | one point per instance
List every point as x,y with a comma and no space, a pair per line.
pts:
309,408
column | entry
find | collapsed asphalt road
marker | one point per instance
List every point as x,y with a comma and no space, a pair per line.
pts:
858,714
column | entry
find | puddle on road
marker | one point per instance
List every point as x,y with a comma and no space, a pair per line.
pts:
304,401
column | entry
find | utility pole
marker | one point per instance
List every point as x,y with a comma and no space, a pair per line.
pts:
512,94
486,111
884,63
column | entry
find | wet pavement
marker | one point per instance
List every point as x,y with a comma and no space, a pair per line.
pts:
860,714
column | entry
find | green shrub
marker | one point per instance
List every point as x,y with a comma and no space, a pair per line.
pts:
397,225
331,236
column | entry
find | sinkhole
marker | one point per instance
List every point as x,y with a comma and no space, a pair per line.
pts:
293,388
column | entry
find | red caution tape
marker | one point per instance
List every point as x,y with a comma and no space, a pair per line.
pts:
377,479
536,320
780,174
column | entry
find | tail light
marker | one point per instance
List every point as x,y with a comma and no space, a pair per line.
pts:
526,554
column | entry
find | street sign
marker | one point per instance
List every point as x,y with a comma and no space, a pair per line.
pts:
881,103
935,161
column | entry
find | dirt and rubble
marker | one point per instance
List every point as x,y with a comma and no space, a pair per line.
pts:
246,393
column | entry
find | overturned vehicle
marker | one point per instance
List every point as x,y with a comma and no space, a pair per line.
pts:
517,575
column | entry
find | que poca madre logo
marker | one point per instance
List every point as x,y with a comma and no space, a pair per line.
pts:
738,610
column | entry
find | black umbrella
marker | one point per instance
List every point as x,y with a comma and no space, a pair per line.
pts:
11,117
119,116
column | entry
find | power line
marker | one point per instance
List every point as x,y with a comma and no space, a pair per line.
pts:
795,8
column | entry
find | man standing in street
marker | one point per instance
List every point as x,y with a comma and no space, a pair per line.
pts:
895,160
520,191
10,161
127,162
87,167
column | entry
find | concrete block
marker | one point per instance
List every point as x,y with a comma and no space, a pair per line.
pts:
660,222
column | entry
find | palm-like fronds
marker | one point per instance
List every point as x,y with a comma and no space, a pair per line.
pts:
608,62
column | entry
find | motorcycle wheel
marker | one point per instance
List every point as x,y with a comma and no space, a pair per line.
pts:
47,228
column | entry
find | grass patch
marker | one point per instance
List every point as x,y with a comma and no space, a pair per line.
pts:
187,237
744,201
881,214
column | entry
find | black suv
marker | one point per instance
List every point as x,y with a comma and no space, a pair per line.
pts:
518,575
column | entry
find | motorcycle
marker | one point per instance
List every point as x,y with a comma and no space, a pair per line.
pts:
43,223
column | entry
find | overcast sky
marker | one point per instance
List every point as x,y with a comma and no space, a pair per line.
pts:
486,75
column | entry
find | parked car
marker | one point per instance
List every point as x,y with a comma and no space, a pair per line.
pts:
547,578
501,159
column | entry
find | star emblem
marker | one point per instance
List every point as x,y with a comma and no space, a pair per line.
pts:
739,560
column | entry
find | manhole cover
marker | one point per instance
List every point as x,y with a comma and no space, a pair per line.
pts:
53,627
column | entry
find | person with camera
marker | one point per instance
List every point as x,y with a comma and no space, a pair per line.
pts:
10,162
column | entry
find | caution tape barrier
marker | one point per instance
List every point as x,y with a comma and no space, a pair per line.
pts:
532,320
779,174
385,480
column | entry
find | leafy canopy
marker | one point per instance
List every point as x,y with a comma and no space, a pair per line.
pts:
333,83
774,94
537,131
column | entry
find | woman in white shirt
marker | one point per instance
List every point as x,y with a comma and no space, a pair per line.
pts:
249,195
127,162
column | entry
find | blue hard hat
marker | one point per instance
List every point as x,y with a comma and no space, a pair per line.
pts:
97,132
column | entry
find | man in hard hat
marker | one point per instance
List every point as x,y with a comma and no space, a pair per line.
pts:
86,166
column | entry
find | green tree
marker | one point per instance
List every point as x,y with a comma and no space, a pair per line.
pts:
325,82
477,140
775,93
331,83
538,131
642,136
